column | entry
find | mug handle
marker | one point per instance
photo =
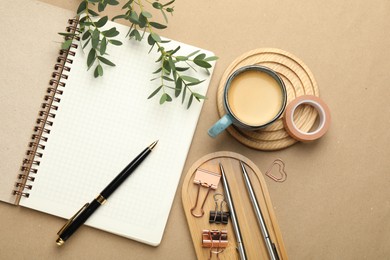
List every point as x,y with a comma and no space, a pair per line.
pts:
220,125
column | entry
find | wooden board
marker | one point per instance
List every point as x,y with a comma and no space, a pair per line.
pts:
251,234
298,80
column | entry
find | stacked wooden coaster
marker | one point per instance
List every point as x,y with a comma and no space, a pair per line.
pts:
298,80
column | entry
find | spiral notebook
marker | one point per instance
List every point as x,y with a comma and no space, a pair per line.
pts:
88,129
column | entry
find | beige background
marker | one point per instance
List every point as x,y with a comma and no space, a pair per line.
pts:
335,203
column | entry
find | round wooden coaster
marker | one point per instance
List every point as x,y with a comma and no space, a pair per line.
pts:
298,80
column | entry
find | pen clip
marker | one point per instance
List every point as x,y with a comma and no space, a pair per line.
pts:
72,218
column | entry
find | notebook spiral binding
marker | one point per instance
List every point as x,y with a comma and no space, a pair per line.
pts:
46,116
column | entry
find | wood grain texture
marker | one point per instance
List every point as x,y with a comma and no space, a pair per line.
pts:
298,80
251,234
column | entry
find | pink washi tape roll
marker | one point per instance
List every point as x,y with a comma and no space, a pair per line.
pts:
324,117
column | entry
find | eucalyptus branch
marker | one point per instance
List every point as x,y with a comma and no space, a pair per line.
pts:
93,36
172,67
141,19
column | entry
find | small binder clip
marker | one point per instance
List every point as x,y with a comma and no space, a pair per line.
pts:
219,216
206,179
214,238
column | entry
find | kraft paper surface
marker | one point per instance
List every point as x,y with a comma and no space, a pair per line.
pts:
335,202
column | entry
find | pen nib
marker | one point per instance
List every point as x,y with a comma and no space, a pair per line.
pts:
153,145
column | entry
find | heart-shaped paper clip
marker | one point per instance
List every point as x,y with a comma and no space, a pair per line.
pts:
283,174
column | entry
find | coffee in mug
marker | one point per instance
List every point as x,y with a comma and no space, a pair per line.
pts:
254,97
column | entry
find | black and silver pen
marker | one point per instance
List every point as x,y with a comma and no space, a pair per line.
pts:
89,208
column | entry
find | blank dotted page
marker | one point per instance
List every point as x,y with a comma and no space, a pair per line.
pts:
100,126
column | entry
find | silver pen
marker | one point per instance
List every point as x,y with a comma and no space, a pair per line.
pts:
270,246
236,228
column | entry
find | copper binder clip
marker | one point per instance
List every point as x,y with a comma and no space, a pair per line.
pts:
215,239
219,216
206,179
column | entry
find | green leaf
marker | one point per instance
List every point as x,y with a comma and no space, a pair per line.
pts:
112,2
66,34
146,14
175,50
135,33
157,5
87,23
86,35
178,87
127,5
103,46
102,21
174,74
165,16
155,37
198,96
82,19
195,83
105,61
92,12
181,58
134,17
96,72
193,53
86,43
66,44
181,69
189,79
163,98
95,41
142,20
91,57
211,58
200,56
157,71
115,42
167,67
101,6
190,101
82,7
121,16
82,27
167,78
184,94
151,48
111,32
155,92
143,34
171,2
151,41
171,64
99,69
158,25
203,64
95,34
